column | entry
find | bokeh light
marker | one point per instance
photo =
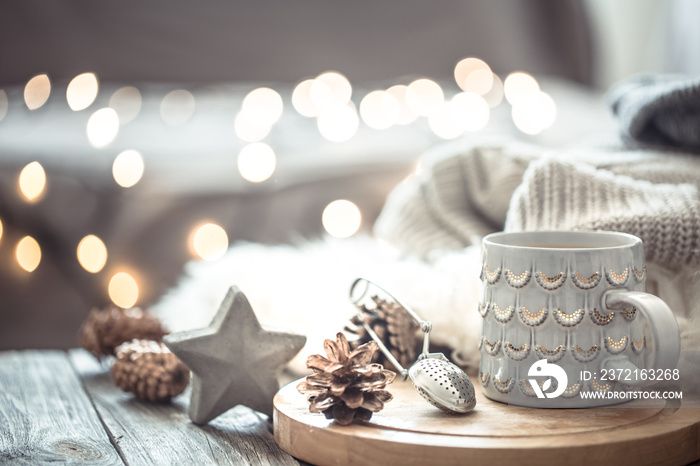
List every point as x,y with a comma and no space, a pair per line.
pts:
341,218
28,253
256,162
127,168
479,82
473,75
4,104
123,290
0,229
301,99
102,127
519,84
82,91
330,89
495,95
470,111
424,96
261,108
444,121
92,253
126,101
338,124
263,105
37,91
210,241
177,107
249,129
379,110
32,181
400,93
534,112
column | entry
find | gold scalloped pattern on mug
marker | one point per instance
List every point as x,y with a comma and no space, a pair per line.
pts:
552,355
518,281
492,276
602,386
572,390
492,349
599,318
503,315
629,313
617,279
484,378
638,345
550,283
586,283
484,309
585,355
616,347
516,354
568,320
503,386
639,273
532,319
527,389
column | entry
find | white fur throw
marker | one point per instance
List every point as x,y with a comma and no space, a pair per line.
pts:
305,288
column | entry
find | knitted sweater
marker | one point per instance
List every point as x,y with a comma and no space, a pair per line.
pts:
462,195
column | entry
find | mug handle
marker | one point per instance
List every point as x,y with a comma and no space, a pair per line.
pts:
665,336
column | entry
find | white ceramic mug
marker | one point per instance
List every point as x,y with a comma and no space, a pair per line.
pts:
574,301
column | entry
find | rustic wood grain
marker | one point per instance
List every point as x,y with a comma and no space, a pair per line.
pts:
45,416
411,432
149,433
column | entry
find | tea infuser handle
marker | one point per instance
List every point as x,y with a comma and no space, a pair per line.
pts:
665,336
425,325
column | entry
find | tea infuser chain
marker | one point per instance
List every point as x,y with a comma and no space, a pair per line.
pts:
425,325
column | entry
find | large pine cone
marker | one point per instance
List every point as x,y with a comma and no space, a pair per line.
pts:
393,325
346,385
105,329
149,370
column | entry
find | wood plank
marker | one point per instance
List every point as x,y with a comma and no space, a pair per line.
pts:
149,433
45,415
409,431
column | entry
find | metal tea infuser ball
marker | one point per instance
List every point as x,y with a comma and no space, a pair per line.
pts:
440,382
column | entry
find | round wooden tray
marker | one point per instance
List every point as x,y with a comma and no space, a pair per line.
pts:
409,431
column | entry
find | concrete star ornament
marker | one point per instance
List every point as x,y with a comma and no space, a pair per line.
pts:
233,360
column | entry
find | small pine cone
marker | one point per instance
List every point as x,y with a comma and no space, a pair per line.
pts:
346,386
393,325
105,329
149,370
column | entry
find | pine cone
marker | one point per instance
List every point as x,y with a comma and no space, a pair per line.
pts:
103,330
393,326
149,370
346,385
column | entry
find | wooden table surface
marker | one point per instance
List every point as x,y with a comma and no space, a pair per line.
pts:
58,406
62,406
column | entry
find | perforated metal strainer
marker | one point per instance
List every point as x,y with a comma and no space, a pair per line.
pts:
440,382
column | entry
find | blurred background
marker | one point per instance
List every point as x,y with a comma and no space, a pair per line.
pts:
137,136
